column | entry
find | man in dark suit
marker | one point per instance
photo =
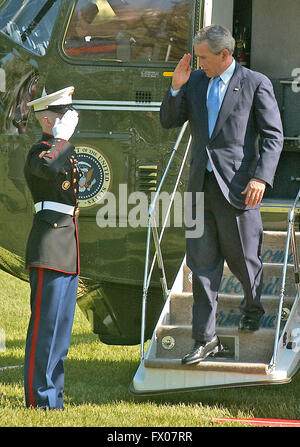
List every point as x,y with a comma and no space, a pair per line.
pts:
236,144
52,254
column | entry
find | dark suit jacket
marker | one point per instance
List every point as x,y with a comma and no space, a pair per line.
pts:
247,139
52,175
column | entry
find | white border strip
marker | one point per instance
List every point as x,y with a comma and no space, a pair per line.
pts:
127,103
136,109
117,105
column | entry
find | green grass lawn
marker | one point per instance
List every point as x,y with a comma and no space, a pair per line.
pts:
97,383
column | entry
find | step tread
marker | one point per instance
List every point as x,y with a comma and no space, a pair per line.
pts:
273,264
220,365
174,341
233,296
220,329
272,281
279,233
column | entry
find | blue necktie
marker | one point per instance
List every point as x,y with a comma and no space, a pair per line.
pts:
213,106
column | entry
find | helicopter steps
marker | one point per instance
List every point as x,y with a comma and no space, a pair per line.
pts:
245,359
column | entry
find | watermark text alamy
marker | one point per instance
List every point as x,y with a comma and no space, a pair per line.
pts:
135,210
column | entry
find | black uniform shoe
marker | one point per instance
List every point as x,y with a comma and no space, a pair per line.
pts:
202,350
248,324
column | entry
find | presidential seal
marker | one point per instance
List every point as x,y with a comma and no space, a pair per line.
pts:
96,179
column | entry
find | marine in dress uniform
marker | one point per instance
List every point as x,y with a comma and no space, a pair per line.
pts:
52,253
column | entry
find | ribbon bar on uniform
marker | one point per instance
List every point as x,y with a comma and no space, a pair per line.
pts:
54,206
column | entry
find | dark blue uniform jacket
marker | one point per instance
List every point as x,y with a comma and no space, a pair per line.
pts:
52,174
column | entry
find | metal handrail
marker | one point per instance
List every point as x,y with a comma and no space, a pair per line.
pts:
152,226
290,240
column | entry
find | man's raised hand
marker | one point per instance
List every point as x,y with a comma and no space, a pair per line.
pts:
182,72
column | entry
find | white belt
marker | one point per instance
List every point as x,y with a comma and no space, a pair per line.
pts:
54,206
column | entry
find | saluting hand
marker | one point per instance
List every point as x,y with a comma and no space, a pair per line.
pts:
254,192
182,72
64,127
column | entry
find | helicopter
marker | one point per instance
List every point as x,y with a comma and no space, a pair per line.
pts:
109,52
120,56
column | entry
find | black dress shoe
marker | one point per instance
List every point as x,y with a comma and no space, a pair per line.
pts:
202,350
248,324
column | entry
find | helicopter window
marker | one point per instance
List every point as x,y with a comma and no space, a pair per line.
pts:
129,30
29,22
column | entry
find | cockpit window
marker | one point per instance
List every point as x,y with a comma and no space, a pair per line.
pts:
29,22
129,30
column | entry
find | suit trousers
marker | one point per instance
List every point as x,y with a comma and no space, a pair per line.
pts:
232,235
53,300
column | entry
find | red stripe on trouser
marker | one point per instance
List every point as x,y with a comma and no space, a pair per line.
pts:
34,336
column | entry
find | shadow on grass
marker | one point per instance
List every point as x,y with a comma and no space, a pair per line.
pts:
103,382
106,382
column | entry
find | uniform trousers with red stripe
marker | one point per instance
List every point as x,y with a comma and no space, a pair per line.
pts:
53,300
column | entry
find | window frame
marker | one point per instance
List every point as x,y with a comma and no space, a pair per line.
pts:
126,63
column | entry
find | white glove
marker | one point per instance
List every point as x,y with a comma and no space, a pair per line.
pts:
64,127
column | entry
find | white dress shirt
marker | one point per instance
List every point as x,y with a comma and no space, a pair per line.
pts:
225,77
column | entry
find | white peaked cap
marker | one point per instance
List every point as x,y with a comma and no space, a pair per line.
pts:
59,98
